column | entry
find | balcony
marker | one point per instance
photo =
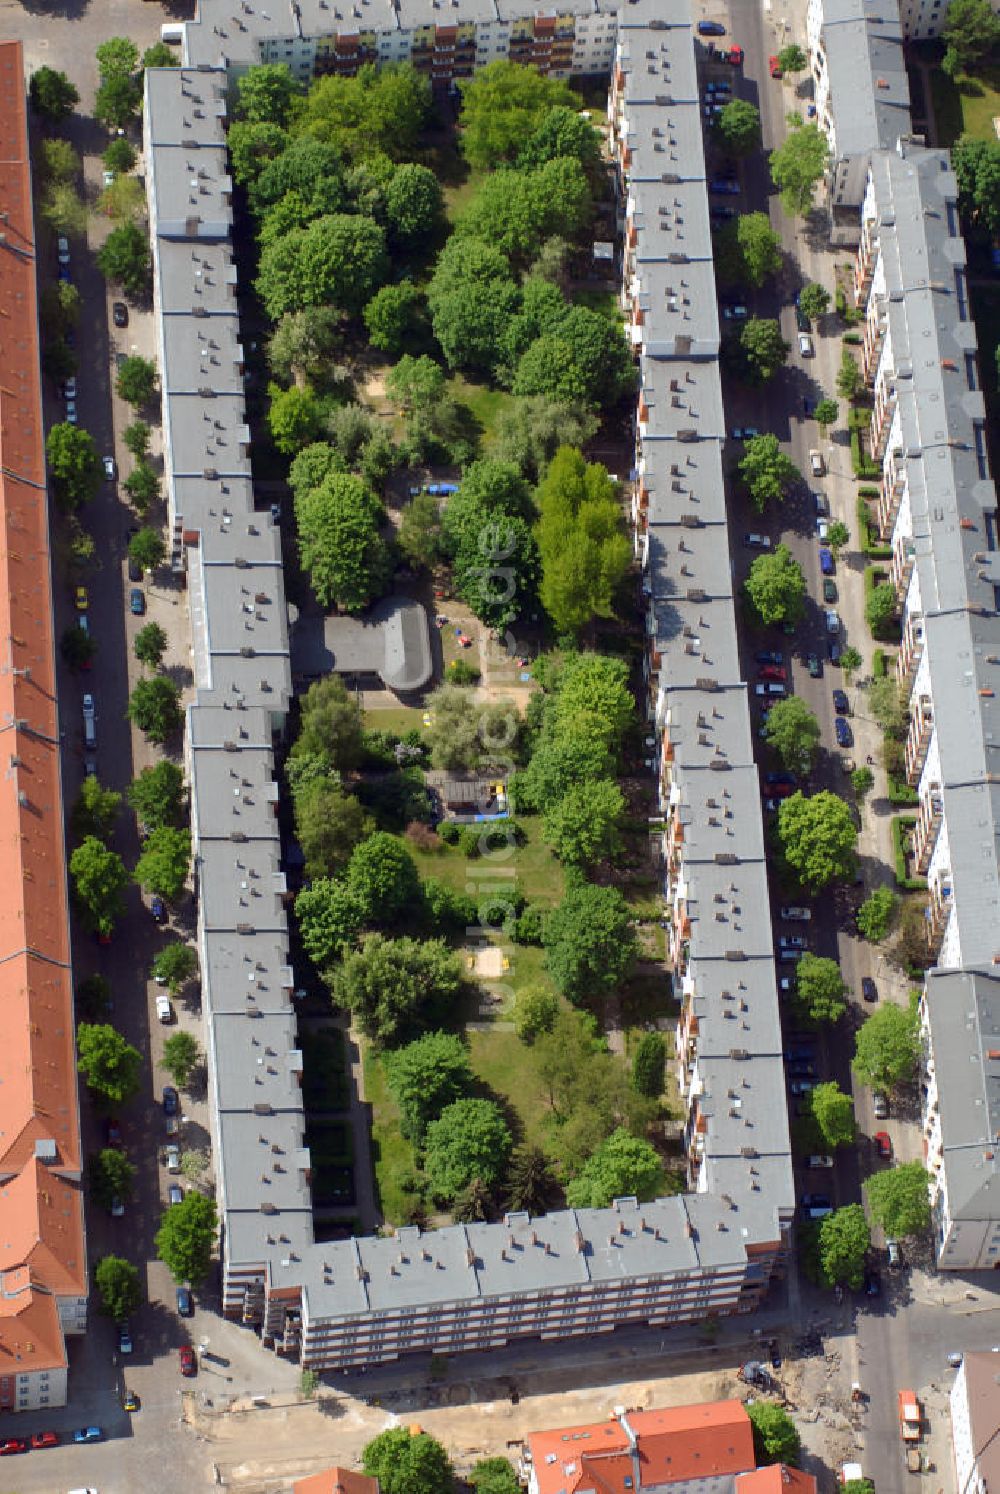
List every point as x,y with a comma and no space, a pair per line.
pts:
890,498
881,425
902,568
864,265
938,913
927,830
911,650
918,739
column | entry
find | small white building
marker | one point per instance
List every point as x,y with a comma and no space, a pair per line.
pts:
975,1423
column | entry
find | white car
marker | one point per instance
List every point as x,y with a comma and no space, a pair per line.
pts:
796,915
816,464
819,1162
164,1011
69,388
71,411
806,345
822,527
108,177
832,624
172,1156
62,249
109,468
88,707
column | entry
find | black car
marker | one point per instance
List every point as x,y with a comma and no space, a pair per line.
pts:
869,990
774,1353
134,570
873,1283
119,313
840,703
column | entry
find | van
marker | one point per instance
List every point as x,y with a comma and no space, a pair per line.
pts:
816,464
89,733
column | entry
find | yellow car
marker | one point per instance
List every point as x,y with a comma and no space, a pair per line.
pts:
130,1401
81,599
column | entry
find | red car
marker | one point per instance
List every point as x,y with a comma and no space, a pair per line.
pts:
13,1445
782,790
187,1360
735,56
773,672
45,1439
774,66
884,1143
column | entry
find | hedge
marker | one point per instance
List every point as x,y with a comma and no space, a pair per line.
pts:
901,827
879,665
901,795
860,461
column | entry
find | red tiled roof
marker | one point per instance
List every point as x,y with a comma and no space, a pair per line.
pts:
336,1481
674,1444
776,1479
41,1213
31,1336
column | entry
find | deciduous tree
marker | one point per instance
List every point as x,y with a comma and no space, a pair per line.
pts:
582,546
582,826
150,644
136,382
814,301
820,989
267,94
339,542
738,127
649,1064
502,106
52,94
163,866
776,587
622,1166
397,988
383,877
330,919
110,1065
110,1177
146,548
977,171
155,707
408,1463
842,1243
470,1139
589,941
767,471
425,1076
887,1047
186,1236
833,1112
797,166
99,878
74,464
175,964
825,414
157,795
764,349
898,1199
848,376
818,837
393,317
180,1056
794,733
970,32
95,811
876,914
118,1286
775,1439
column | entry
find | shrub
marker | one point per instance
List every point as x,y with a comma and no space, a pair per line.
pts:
449,832
468,841
902,828
422,836
461,672
879,666
528,927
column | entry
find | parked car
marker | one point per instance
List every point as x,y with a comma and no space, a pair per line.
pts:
88,1434
137,601
188,1363
62,249
117,1210
800,1068
81,599
845,737
827,564
773,672
883,1144
164,1011
802,322
840,703
815,1200
786,778
814,665
894,1253
819,1162
829,590
832,623
185,1302
724,184
820,503
112,1132
774,66
792,941
873,1282
134,570
783,790
69,388
816,464
175,1194
45,1439
869,990
737,313
119,314
13,1445
822,527
172,1157
769,656
109,467
806,348
757,541
158,909
130,1401
789,956
710,28
795,914
124,1339
170,1101
880,1105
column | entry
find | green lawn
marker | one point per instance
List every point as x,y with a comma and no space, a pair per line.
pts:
536,872
604,301
485,403
966,107
507,1068
458,195
391,1152
395,718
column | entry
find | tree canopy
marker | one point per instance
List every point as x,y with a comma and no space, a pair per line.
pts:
118,1286
74,464
977,170
970,32
186,1236
180,1056
738,127
814,301
110,1177
622,1166
589,941
748,251
267,93
502,107
157,795
470,1139
397,988
767,471
155,707
887,1047
96,810
817,836
794,732
797,166
52,94
776,587
875,916
842,1241
898,1199
582,825
99,879
405,1462
471,297
175,964
763,347
150,644
582,545
775,1439
110,1065
124,257
820,989
833,1113
162,867
339,542
425,1076
382,875
338,259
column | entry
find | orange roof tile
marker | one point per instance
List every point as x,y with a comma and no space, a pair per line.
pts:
31,1336
673,1445
41,1211
336,1481
776,1479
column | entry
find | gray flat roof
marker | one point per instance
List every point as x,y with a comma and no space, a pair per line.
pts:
317,19
963,1012
683,399
208,435
185,106
232,791
724,903
683,480
687,564
246,973
706,730
265,1163
196,275
698,648
202,353
230,31
392,641
257,1062
720,813
241,886
869,90
192,182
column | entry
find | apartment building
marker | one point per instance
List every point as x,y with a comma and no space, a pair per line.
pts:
43,1257
937,510
677,1447
575,1272
923,19
862,95
444,39
975,1422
